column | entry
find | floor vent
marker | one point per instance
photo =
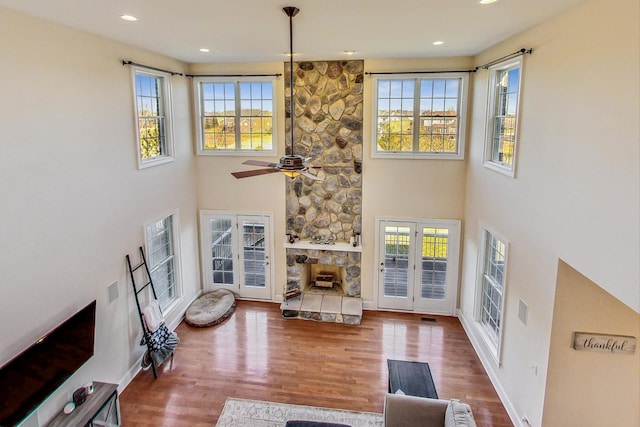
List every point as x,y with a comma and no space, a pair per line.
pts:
428,319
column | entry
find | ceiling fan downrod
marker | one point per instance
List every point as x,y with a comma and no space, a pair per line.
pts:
291,11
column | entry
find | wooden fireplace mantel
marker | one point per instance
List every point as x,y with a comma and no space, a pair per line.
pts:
337,246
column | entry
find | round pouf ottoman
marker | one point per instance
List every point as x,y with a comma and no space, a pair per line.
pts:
211,308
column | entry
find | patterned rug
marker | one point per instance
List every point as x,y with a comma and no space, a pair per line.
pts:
256,413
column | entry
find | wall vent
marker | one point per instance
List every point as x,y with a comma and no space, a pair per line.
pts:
113,291
523,312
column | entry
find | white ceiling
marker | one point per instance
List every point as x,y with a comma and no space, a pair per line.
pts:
258,30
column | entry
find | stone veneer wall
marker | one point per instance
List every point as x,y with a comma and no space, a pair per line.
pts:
327,128
349,260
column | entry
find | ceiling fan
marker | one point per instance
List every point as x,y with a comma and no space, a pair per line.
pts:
292,165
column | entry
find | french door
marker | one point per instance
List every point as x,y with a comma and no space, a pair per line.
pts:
236,252
418,264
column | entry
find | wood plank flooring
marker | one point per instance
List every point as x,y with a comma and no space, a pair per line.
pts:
256,354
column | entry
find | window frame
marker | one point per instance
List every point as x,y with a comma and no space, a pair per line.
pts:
492,97
198,109
463,97
494,345
167,106
175,256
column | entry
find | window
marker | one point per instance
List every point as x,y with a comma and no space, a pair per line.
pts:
161,241
235,116
153,117
420,118
502,118
493,261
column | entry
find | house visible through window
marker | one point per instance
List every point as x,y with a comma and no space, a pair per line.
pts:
420,117
235,115
493,258
161,245
153,117
504,95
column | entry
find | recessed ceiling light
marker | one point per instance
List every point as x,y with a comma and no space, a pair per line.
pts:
438,43
204,49
487,1
129,18
349,52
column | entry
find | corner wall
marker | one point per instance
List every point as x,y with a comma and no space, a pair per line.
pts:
577,187
73,201
584,387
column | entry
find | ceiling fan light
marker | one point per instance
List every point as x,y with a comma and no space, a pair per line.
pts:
290,173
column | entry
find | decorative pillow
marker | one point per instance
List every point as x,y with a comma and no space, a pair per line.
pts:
458,414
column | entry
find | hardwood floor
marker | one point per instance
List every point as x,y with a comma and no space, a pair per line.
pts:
256,354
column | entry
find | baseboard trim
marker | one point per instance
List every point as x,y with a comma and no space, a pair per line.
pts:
136,367
489,368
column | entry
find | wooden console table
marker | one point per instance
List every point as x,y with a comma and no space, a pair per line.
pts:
413,378
100,409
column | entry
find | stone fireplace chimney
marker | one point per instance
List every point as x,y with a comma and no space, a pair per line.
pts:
328,129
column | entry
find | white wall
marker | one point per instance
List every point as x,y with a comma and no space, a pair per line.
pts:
576,192
584,387
430,189
398,188
73,201
219,190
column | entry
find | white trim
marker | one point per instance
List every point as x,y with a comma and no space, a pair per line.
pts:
135,368
205,253
463,102
197,108
495,349
168,114
489,121
489,367
453,261
177,267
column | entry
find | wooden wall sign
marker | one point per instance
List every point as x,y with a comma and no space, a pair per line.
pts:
604,343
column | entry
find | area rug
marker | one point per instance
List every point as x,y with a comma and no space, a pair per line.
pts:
256,413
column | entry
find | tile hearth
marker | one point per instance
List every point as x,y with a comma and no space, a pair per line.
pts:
324,308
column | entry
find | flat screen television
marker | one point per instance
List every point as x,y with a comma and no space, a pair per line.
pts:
30,377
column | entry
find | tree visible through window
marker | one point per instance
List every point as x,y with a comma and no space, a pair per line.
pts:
153,118
235,115
500,151
421,117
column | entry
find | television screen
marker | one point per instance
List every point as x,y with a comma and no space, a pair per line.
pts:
30,377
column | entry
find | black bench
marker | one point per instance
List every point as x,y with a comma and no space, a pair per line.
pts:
412,378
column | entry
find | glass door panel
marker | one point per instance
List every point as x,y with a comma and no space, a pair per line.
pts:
396,265
254,257
418,265
221,230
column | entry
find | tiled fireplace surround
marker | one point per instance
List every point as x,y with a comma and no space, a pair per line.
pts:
327,128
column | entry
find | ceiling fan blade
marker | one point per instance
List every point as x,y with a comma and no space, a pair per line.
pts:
308,175
259,163
256,172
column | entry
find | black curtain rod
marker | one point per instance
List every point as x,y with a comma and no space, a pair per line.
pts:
520,52
173,73
515,54
419,72
234,75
